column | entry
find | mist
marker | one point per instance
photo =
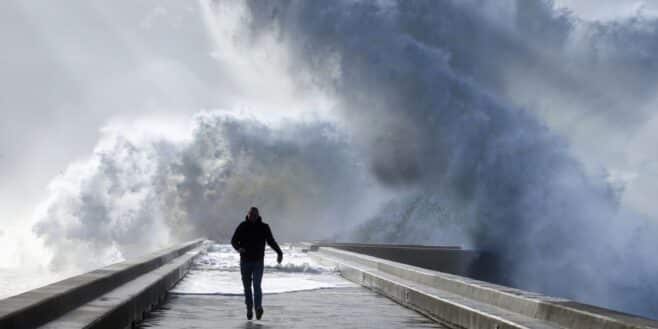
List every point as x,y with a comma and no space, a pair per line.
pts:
524,128
464,103
147,190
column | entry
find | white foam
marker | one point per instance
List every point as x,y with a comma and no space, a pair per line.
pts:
218,272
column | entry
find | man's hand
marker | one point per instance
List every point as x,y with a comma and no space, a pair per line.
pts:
242,250
279,258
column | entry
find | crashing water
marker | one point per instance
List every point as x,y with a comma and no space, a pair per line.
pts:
217,272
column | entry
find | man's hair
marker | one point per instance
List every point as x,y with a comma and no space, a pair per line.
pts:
254,209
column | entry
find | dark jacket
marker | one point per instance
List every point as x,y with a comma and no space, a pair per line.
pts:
252,237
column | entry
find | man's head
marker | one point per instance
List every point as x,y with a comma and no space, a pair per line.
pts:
253,214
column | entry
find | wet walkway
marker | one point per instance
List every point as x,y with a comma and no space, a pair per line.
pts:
323,308
298,294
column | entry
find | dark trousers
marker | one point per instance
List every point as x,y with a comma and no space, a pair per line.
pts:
252,271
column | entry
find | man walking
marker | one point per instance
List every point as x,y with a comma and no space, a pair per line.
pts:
249,240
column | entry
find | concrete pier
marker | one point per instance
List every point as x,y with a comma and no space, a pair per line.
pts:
353,290
461,302
111,297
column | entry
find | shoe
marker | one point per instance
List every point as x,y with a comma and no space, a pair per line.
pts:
259,313
250,314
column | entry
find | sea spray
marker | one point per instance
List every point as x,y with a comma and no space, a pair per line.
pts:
136,195
444,100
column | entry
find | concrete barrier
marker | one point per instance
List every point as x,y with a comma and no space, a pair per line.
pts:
110,297
447,259
461,302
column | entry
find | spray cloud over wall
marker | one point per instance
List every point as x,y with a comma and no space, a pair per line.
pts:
141,192
437,94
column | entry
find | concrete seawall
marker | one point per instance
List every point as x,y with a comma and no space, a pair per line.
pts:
111,297
461,302
448,259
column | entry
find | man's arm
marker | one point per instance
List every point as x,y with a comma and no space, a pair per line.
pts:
235,240
272,243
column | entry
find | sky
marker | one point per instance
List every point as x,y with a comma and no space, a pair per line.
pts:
606,10
68,71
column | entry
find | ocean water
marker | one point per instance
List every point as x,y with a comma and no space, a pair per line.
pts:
14,281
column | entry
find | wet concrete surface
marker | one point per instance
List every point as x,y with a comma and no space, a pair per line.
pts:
323,308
